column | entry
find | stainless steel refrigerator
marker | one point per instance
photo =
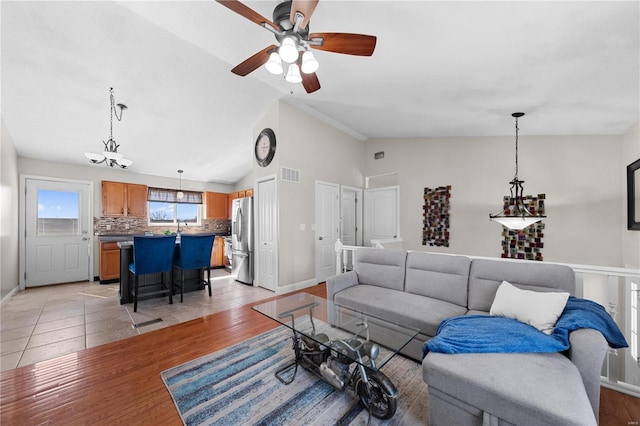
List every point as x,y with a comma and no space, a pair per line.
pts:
242,239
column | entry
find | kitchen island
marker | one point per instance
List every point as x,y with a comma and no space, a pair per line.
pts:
193,278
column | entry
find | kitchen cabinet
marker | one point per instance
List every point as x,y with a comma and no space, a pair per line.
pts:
109,261
216,205
136,200
217,253
239,194
121,199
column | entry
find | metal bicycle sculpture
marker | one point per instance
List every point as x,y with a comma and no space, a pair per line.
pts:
346,364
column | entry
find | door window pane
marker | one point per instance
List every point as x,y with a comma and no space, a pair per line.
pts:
58,212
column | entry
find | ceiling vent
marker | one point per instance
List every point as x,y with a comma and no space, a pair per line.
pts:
289,175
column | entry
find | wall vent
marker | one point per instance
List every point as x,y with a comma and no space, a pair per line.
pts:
289,175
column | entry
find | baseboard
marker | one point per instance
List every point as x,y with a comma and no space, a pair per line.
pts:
8,297
296,286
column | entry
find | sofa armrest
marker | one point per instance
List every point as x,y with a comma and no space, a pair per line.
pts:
336,284
587,352
340,282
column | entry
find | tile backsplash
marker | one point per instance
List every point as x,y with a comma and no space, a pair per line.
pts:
139,225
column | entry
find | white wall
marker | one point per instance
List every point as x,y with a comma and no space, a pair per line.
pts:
630,239
579,175
8,213
320,152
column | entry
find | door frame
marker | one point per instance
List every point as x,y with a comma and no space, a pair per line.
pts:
359,197
22,212
336,220
256,215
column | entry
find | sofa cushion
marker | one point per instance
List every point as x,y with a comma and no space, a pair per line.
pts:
440,276
519,388
485,276
423,313
535,308
383,268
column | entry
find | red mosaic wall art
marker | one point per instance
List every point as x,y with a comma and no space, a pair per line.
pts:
525,243
435,216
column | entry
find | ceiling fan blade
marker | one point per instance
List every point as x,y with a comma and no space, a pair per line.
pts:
254,62
310,82
247,12
349,44
306,7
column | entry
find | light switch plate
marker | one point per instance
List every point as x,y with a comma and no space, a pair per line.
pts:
303,226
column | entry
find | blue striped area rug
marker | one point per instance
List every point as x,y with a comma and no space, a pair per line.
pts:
237,386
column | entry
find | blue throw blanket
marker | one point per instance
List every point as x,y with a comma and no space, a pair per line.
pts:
485,334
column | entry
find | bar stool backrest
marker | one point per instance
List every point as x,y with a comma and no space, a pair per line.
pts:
153,254
195,251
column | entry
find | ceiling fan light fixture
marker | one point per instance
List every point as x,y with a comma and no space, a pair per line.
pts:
293,74
309,63
274,64
288,50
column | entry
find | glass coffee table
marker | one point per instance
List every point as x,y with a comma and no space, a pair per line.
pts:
344,347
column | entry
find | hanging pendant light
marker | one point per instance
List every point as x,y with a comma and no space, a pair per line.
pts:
110,156
517,216
180,194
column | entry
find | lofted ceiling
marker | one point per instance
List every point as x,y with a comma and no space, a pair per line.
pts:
440,68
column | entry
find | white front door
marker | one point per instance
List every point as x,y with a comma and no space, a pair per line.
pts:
382,210
57,232
327,228
266,249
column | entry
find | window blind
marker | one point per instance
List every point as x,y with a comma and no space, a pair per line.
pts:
164,195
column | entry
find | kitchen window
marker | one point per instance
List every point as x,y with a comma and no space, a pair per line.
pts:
166,209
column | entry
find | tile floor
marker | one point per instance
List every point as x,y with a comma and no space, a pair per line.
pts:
46,322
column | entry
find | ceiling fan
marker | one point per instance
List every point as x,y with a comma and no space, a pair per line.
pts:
290,26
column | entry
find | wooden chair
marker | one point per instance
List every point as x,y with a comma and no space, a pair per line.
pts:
152,255
194,253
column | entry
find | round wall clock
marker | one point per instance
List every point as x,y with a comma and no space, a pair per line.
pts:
265,147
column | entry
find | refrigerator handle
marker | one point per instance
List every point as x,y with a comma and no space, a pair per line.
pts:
239,222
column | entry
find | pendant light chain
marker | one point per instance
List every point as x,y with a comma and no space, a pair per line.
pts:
112,107
516,176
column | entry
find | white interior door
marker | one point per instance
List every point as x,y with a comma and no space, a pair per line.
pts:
327,229
266,249
350,207
57,237
381,211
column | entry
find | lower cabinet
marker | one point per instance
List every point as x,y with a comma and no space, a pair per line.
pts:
217,254
109,261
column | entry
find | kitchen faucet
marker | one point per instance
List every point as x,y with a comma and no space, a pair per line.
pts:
185,224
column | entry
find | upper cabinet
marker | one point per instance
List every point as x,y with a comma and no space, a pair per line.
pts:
216,205
239,194
124,199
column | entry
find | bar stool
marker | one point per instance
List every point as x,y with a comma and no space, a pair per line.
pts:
194,253
152,255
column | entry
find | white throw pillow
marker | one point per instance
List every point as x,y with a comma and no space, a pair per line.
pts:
538,309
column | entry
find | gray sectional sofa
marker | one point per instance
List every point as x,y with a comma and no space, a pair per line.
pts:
422,289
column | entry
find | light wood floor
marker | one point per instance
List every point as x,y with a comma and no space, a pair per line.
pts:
119,382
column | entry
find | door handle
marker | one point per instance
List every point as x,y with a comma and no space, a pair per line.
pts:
320,238
85,239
